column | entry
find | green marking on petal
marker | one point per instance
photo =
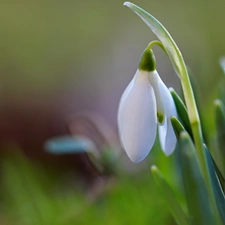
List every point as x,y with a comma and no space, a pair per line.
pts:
160,117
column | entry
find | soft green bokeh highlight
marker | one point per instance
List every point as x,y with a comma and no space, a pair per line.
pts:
30,197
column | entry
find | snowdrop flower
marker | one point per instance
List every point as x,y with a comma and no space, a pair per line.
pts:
145,104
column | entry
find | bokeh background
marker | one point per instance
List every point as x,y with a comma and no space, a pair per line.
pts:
61,58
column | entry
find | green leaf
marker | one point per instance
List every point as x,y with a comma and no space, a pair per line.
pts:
218,192
177,126
220,133
169,197
160,31
194,185
182,111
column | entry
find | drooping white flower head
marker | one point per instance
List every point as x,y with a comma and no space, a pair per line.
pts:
145,104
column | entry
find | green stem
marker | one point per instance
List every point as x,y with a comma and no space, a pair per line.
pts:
197,134
195,123
159,43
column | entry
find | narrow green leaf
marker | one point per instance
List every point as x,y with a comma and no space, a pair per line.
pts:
182,111
220,126
218,192
169,197
177,126
219,174
160,31
219,195
220,118
194,185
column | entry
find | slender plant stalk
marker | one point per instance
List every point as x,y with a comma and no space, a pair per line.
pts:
197,134
195,123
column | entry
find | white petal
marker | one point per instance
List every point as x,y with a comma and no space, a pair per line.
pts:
155,81
167,136
137,117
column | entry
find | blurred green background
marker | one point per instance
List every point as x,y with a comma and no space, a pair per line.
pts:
58,58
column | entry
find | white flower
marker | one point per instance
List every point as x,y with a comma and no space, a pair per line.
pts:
145,99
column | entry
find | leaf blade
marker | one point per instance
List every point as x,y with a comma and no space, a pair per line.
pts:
160,31
195,189
168,194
